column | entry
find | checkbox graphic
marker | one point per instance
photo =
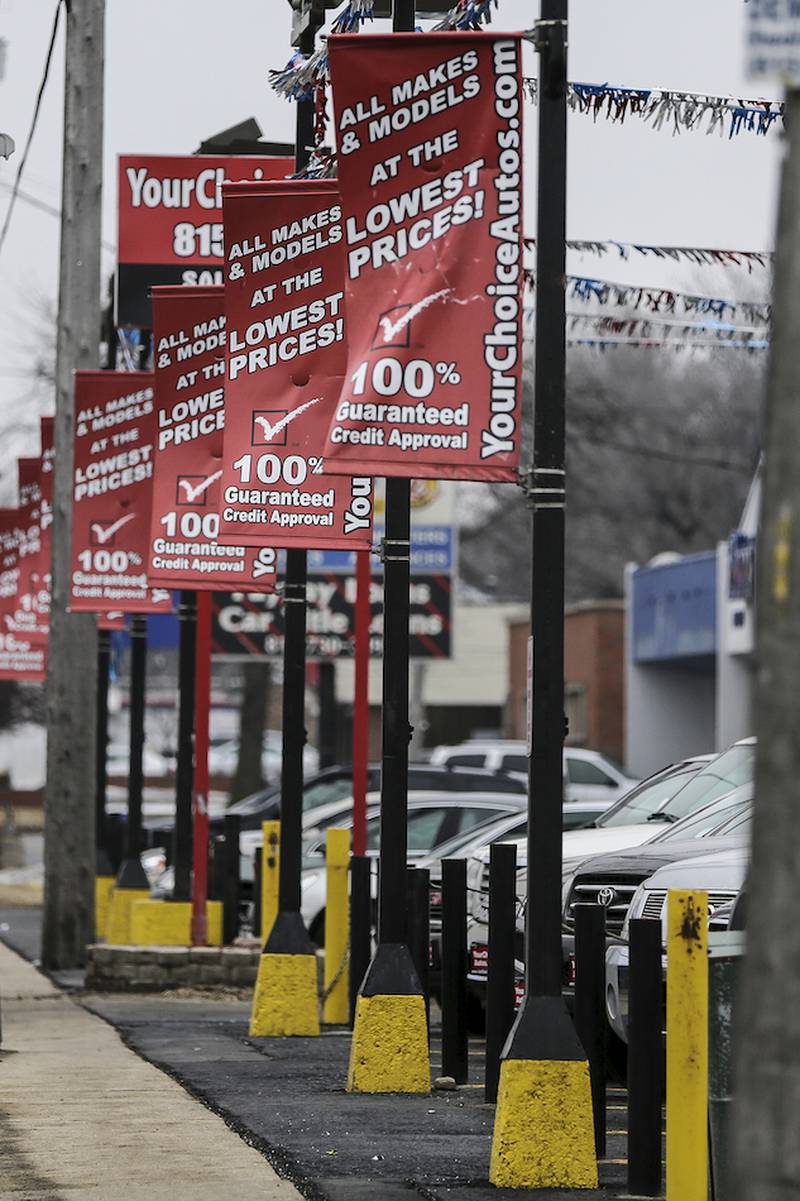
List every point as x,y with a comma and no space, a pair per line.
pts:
196,490
269,427
393,329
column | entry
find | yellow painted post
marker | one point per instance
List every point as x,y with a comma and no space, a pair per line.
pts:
687,1046
336,1006
270,860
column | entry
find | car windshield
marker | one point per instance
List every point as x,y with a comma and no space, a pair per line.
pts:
325,792
729,770
711,819
252,804
649,797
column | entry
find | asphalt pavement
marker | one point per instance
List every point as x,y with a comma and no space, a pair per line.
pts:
287,1099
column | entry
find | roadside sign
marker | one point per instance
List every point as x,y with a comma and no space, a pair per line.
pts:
429,142
184,548
170,221
285,356
772,40
246,624
112,494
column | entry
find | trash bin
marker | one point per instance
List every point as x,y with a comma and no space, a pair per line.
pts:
725,952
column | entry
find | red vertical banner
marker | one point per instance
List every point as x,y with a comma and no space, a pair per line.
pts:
33,598
286,356
429,144
112,494
184,548
23,655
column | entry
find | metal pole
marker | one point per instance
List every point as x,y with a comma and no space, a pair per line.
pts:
590,1007
327,741
556,1038
288,934
104,864
394,774
500,982
187,623
231,887
645,1058
132,874
363,617
418,887
360,924
455,1038
200,789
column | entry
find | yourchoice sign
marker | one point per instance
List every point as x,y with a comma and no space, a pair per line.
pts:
170,221
429,140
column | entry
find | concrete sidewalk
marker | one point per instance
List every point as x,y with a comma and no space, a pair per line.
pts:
82,1118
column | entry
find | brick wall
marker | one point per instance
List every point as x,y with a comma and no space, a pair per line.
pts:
594,650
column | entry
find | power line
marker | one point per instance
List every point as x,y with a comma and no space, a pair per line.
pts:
45,207
32,129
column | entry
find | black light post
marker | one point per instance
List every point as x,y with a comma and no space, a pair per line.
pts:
390,1036
131,874
543,1056
285,999
104,864
184,772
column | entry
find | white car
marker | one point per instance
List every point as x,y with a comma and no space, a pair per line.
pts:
719,873
433,818
118,756
224,757
588,775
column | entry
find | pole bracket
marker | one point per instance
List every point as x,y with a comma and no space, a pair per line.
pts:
294,593
549,38
544,487
395,550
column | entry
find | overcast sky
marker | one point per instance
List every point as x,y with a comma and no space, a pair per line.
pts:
178,71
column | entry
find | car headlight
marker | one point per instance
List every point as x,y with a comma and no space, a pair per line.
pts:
634,910
567,879
308,878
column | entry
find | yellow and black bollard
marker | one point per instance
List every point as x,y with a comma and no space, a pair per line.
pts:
336,1005
687,1046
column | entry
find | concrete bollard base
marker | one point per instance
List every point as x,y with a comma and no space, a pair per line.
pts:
118,923
286,1000
389,1051
169,923
543,1131
102,901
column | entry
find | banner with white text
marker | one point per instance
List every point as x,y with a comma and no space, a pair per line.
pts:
112,494
429,146
286,355
189,353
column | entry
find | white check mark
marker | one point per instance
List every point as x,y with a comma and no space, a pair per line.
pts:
203,486
103,535
271,430
392,328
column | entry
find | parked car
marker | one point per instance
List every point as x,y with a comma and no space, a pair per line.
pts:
223,757
118,757
588,775
336,784
664,799
721,873
434,819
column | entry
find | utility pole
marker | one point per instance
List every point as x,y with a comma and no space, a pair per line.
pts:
390,1034
543,1057
767,1020
68,923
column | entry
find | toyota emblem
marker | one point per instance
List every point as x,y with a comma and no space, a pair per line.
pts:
605,896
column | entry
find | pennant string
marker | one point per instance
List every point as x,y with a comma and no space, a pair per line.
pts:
678,111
